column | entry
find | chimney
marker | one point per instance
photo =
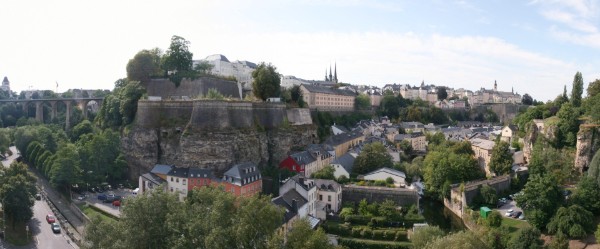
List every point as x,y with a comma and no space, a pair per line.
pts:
295,205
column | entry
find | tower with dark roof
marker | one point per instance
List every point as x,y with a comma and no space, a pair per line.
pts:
335,79
5,84
495,86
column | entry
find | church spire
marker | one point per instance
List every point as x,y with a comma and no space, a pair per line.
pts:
495,86
326,79
330,76
335,79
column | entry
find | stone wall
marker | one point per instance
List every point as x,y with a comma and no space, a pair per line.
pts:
299,116
192,88
400,196
587,145
154,114
461,197
506,112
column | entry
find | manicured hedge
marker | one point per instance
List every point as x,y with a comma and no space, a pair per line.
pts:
373,244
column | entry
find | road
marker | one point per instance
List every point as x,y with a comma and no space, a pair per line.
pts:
44,238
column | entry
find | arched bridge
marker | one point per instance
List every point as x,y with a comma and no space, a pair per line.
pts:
39,110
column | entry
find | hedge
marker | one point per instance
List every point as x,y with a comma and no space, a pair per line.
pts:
382,221
373,244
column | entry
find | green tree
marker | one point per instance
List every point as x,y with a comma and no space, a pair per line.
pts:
266,81
421,237
489,195
574,221
587,194
568,126
362,102
559,241
80,129
372,157
203,68
302,236
528,237
443,167
442,93
496,237
65,170
594,168
144,65
388,210
527,100
501,160
324,173
177,60
459,240
540,199
593,88
597,233
17,189
494,219
577,90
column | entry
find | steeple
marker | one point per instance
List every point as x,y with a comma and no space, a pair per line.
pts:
330,76
512,89
326,79
335,79
495,86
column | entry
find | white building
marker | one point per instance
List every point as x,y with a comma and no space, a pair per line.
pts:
307,189
382,174
241,70
330,193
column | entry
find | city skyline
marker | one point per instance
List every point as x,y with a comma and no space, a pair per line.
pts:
535,47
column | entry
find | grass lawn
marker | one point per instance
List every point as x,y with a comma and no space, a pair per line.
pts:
91,212
514,225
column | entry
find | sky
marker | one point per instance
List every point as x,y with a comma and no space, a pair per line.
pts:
531,46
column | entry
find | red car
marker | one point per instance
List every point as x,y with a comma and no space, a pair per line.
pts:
50,218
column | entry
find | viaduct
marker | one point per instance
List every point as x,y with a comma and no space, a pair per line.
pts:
39,110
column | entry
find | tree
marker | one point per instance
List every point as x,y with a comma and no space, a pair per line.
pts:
178,57
266,81
372,157
496,237
421,237
80,129
528,237
559,241
597,233
442,93
494,219
593,88
301,236
574,221
362,102
540,199
577,90
17,190
324,173
568,126
203,68
65,170
501,160
594,168
462,240
587,194
144,65
489,195
443,167
527,100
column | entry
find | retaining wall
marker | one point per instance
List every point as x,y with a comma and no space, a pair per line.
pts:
400,196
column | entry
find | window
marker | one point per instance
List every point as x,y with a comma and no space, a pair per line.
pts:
171,189
171,178
184,181
320,197
176,179
329,198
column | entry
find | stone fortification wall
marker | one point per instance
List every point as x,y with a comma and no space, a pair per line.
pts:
192,88
299,116
400,196
461,198
506,112
209,114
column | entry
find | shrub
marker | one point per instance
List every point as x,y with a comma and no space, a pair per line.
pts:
373,244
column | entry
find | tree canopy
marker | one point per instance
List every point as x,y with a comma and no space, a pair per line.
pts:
540,199
362,102
501,160
574,221
577,90
145,65
17,189
528,237
372,157
266,81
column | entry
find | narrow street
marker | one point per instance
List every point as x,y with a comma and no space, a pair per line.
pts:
44,238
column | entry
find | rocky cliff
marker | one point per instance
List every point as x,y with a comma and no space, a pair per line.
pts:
588,143
216,135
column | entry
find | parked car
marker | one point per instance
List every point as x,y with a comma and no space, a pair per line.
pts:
55,227
50,218
38,197
516,214
81,197
101,197
92,190
521,217
509,212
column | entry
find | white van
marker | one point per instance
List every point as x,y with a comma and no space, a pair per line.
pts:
135,191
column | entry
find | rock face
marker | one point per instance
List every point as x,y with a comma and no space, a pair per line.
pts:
529,140
215,136
587,145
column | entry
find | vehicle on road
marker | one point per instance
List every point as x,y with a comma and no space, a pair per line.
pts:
55,227
50,218
38,197
102,197
508,212
516,214
521,217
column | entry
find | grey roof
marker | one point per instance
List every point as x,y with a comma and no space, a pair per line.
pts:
341,128
5,81
178,172
286,200
342,138
242,171
328,90
401,137
301,180
303,157
248,64
161,169
329,185
412,125
388,171
217,57
153,178
200,173
347,161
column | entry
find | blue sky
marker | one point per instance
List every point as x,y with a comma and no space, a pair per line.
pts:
533,46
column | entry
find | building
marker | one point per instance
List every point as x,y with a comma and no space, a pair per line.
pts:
243,179
382,174
307,189
329,192
343,165
410,127
307,162
240,70
177,181
417,140
342,143
509,133
5,85
483,153
295,206
327,98
490,96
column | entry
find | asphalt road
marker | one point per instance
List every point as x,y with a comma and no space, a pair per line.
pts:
44,238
